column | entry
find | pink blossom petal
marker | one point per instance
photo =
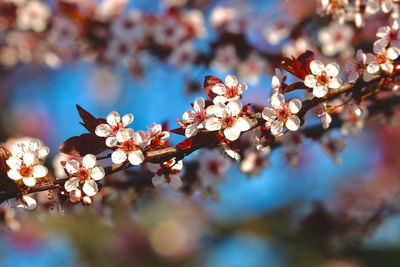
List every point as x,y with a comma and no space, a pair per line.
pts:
97,173
232,133
103,130
335,82
269,114
72,166
199,104
295,106
90,188
231,81
219,89
332,69
136,157
191,130
127,119
157,180
71,184
276,127
316,67
243,124
175,182
320,91
293,123
213,124
29,181
277,101
89,161
310,81
234,108
113,118
118,156
39,171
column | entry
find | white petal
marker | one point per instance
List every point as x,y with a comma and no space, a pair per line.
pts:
140,138
39,171
219,89
71,184
103,130
310,81
232,133
231,81
219,99
29,158
29,181
43,152
14,162
242,87
89,161
332,69
277,100
293,123
90,188
153,167
373,68
97,173
188,116
275,83
234,108
113,118
199,104
118,156
157,180
111,141
28,203
276,127
380,46
213,124
155,129
14,174
316,67
72,166
136,157
124,134
127,119
387,67
177,166
393,53
335,82
320,91
175,182
191,130
269,114
295,105
243,124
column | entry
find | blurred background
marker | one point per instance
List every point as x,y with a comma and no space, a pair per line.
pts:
318,213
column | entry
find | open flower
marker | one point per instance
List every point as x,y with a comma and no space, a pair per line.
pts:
383,60
85,175
113,125
128,147
229,91
166,172
25,164
335,38
195,119
282,114
229,120
323,78
153,136
33,16
356,67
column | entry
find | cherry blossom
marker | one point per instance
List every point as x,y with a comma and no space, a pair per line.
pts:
332,147
229,91
128,145
166,172
254,161
225,59
357,67
26,162
323,78
229,120
33,15
374,6
387,34
85,175
277,82
113,125
196,119
153,136
282,114
383,60
276,32
252,68
335,38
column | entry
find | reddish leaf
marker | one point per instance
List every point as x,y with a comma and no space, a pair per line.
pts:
298,67
196,141
179,131
89,121
79,146
294,86
209,82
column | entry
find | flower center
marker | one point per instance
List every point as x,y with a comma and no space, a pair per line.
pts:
381,59
83,174
228,121
199,117
323,79
25,171
214,168
231,92
128,146
284,113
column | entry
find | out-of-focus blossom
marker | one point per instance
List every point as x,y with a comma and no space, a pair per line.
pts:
225,59
220,16
276,32
33,15
335,38
332,147
254,161
251,68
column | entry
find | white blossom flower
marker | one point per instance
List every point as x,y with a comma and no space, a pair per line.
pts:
129,27
26,162
225,59
335,38
387,34
373,6
170,32
357,67
354,119
229,91
229,120
254,162
128,143
183,56
323,78
332,147
252,67
166,172
276,32
196,119
153,136
383,60
33,16
282,114
110,8
113,125
85,175
220,16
